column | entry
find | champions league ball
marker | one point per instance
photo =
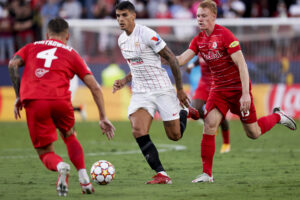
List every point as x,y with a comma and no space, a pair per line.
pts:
102,172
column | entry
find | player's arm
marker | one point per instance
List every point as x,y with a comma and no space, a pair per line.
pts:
168,55
119,84
239,60
185,57
106,126
13,68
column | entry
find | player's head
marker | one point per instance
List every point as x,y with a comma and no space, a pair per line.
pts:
126,15
207,14
58,28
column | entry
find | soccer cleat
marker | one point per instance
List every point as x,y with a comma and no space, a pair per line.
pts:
62,180
285,119
160,179
193,113
225,148
87,188
203,178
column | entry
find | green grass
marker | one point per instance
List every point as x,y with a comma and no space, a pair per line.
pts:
267,168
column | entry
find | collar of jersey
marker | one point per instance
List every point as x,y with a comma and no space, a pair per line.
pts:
57,41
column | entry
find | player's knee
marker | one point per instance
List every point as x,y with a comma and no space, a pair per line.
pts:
252,134
210,127
137,132
174,136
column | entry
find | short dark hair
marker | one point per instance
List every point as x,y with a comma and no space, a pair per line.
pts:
57,25
125,5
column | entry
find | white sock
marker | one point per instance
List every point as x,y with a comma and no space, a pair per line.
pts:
61,165
163,173
83,176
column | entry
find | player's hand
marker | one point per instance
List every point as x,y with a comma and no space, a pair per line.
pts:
183,98
107,128
245,102
118,84
17,108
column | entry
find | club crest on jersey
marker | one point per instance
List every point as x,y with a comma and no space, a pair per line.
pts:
39,72
234,44
214,45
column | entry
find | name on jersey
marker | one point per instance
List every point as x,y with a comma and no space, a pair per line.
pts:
135,61
54,43
212,55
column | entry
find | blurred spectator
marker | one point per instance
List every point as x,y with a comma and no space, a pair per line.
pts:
48,11
23,22
7,48
140,8
295,9
276,10
234,9
71,9
163,13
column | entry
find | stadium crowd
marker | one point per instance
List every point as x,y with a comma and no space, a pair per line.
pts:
23,21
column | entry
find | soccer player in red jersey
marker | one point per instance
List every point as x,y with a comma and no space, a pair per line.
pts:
200,97
231,86
44,93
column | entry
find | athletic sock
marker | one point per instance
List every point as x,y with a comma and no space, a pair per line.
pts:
83,176
225,135
182,118
150,152
75,151
50,160
267,122
207,153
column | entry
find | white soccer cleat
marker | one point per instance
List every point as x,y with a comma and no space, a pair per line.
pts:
203,178
87,188
285,119
62,180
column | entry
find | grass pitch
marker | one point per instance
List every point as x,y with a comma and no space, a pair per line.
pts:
268,168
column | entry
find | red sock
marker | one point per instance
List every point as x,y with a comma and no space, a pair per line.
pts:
225,135
207,153
50,160
75,151
267,122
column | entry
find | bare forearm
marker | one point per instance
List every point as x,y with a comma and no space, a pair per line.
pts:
128,77
13,68
239,60
99,100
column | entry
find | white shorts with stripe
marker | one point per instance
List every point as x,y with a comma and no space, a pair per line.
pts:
166,103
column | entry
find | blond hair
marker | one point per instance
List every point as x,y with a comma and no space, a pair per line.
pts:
211,5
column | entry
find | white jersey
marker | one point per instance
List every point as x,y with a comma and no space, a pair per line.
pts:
140,49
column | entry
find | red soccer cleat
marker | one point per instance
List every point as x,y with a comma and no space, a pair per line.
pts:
160,179
193,113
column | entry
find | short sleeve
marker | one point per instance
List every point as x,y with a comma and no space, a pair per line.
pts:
23,52
153,40
193,45
80,66
231,42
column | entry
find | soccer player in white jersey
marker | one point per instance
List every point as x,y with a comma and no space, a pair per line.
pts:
152,89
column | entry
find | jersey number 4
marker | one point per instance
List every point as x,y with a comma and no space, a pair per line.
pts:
48,55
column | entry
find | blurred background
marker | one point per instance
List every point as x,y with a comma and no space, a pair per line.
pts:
269,32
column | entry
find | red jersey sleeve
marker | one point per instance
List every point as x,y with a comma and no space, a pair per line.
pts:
231,42
80,67
23,52
193,45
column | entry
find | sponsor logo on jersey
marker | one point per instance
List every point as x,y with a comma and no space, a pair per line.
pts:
39,72
212,55
135,61
215,45
234,44
156,39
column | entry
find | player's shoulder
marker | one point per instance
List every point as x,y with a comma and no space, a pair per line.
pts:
222,29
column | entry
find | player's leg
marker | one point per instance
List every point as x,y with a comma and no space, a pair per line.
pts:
43,133
198,104
140,122
225,134
63,117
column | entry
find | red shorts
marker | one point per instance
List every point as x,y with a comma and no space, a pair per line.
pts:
230,100
44,116
202,91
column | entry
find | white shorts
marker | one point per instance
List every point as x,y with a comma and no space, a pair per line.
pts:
166,103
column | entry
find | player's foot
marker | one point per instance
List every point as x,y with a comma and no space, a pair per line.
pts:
62,180
225,148
87,188
159,178
285,119
83,113
203,178
193,113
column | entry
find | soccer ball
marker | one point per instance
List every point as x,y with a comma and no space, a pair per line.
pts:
102,172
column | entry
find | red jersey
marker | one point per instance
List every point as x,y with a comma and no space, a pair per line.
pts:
205,71
216,50
49,66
